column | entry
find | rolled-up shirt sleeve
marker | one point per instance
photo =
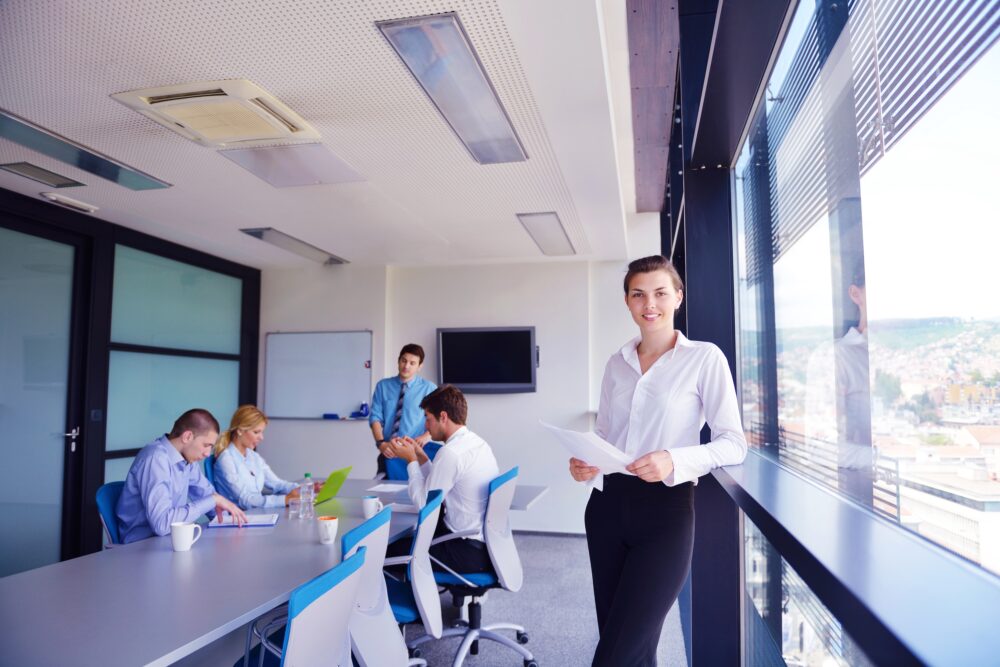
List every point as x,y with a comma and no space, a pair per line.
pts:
154,487
376,408
728,445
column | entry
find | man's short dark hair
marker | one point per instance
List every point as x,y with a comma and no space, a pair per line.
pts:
448,399
198,420
414,349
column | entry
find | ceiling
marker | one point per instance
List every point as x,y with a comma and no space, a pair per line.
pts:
423,201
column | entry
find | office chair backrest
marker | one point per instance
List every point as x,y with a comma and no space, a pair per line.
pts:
375,637
318,614
425,590
210,469
497,532
107,501
373,534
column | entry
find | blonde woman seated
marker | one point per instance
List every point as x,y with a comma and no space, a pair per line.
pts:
240,472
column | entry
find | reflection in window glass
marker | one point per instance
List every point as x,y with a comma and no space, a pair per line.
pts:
870,350
785,623
164,303
147,392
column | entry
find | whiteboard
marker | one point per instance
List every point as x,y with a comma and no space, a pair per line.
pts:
309,374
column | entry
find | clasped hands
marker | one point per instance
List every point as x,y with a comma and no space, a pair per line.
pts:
653,467
406,448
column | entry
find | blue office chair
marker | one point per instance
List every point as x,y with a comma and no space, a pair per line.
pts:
107,500
395,469
210,469
417,599
509,576
375,637
315,630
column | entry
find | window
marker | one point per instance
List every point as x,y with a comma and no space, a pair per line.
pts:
785,622
175,345
865,226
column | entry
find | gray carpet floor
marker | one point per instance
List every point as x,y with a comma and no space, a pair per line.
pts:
555,605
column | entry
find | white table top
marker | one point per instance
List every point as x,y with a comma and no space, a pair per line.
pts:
142,603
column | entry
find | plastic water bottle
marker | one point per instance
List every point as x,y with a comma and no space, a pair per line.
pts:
306,493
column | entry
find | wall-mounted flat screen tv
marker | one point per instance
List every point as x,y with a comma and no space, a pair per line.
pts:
495,360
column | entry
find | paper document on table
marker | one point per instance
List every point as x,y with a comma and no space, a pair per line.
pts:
404,507
388,488
253,520
591,448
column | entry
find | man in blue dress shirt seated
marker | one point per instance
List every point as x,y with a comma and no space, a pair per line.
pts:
396,411
167,483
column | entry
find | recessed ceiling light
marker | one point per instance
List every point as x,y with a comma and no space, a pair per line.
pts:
36,173
547,232
46,142
292,244
440,56
67,202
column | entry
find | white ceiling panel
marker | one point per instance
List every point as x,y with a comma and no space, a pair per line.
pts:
424,199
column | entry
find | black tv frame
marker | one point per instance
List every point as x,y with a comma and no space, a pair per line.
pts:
491,387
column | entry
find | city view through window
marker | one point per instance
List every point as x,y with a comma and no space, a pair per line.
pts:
866,218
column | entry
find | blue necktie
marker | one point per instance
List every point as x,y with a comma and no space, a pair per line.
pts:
399,412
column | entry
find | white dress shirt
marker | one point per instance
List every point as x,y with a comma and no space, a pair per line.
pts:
463,469
667,407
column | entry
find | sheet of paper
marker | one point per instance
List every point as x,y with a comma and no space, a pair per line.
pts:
404,507
592,449
252,520
387,487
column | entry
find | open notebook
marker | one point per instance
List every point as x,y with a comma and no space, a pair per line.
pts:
253,520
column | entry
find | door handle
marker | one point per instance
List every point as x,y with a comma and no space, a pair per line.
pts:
73,435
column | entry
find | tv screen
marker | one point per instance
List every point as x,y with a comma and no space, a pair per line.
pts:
499,360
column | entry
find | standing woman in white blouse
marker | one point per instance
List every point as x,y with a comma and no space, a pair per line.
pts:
657,393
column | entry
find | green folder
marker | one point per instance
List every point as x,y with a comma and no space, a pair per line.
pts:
332,485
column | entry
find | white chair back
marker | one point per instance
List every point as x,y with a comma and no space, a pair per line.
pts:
318,614
497,532
375,637
425,590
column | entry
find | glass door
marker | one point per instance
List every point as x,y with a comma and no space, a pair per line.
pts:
37,445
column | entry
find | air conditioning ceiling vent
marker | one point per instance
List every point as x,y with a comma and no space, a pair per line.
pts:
220,113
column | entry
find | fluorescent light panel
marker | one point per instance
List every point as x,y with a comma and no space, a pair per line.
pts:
68,202
292,244
36,173
440,56
290,166
547,232
37,138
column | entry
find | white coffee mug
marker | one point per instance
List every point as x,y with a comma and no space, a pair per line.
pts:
184,535
327,529
370,506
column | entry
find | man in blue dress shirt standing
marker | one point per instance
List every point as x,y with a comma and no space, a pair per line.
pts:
167,483
396,411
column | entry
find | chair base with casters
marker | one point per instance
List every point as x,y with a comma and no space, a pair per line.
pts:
472,630
507,575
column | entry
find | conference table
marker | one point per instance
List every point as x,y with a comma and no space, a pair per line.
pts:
144,604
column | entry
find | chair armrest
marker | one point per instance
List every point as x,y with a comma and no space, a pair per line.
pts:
464,580
397,560
453,536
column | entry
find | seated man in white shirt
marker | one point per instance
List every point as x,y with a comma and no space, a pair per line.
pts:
463,469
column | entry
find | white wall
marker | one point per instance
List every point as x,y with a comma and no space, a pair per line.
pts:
579,318
322,298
